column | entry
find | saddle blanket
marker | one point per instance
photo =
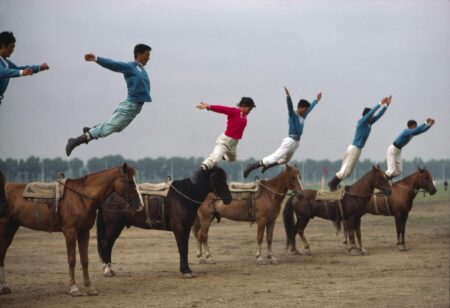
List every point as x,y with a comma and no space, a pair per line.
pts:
244,187
330,195
41,190
155,189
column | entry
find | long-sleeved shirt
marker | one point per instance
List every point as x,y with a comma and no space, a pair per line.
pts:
136,77
10,70
236,120
407,134
296,121
364,125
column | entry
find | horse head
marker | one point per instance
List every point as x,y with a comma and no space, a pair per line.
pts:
292,179
426,181
125,186
380,180
216,180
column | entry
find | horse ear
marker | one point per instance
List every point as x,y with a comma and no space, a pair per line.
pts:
125,168
421,170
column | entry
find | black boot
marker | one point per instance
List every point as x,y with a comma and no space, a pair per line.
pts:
72,143
265,168
251,167
334,183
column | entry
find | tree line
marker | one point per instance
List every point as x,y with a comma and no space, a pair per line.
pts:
158,169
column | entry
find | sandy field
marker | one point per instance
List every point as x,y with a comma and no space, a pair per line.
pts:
146,263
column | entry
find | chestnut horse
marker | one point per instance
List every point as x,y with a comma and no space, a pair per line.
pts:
74,215
398,204
177,213
352,205
265,212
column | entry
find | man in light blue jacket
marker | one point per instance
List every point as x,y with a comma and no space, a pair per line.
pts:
363,128
138,84
7,68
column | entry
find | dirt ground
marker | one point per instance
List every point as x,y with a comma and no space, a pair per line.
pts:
146,263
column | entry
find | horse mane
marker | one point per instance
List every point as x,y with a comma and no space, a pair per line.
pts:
83,178
406,178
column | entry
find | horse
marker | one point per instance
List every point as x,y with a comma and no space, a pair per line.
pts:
73,215
179,208
352,205
264,212
398,204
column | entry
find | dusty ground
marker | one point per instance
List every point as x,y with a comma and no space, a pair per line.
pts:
147,266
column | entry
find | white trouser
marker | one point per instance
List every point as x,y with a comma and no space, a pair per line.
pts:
349,161
225,148
394,161
284,153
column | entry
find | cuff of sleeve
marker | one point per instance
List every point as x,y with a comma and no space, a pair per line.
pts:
21,72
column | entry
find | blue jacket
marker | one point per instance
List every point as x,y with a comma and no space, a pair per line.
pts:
136,77
10,70
407,134
365,125
295,121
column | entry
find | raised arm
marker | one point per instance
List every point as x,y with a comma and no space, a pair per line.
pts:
385,103
290,106
313,104
115,66
421,128
218,108
23,70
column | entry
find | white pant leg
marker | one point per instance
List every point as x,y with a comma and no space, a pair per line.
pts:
394,161
225,146
284,153
349,162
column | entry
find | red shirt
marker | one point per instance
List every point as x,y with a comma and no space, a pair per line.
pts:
236,120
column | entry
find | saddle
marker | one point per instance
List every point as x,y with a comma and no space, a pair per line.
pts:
44,190
248,193
325,195
153,195
155,189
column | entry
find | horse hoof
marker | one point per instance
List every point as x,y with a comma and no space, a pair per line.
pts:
261,261
402,248
273,260
109,273
74,291
188,275
354,252
202,261
5,290
308,252
92,292
364,252
210,261
295,252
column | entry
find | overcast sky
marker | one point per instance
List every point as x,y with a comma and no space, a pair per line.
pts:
355,52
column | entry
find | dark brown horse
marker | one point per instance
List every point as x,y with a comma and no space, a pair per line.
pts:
352,205
74,215
398,204
176,213
265,212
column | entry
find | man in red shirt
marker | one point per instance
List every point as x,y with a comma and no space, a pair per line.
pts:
227,142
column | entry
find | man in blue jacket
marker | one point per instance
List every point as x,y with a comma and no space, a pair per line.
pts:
7,68
289,144
362,132
394,159
138,84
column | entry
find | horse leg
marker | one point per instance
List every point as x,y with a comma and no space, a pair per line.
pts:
301,232
202,240
269,236
398,228
358,237
404,218
345,233
7,231
71,241
351,245
111,234
83,245
182,238
261,225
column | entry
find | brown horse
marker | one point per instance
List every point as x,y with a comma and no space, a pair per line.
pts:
398,204
265,212
352,205
74,215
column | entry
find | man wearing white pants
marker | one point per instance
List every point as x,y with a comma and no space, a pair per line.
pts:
362,133
394,159
290,144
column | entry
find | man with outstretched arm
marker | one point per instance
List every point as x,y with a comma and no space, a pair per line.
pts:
394,158
363,128
7,68
289,144
138,84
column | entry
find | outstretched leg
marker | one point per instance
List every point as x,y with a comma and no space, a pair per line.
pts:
83,245
7,232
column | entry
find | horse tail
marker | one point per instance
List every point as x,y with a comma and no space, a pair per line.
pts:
100,224
288,219
3,203
338,226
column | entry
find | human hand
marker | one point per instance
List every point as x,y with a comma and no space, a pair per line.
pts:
202,106
319,96
43,67
27,72
90,57
287,91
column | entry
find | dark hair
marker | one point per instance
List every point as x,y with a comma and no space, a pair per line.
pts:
246,102
366,111
412,123
140,49
6,38
303,103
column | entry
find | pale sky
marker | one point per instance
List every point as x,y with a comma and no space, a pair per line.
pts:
355,52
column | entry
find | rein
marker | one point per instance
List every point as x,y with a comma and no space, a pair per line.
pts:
76,191
276,193
190,199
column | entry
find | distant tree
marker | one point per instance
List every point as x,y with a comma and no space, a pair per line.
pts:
76,165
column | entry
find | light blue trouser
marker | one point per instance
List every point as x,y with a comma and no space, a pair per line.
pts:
122,116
